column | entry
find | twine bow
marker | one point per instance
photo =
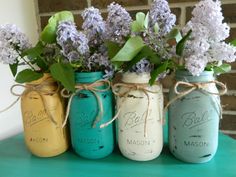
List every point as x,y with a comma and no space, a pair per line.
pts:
39,89
93,89
196,86
130,87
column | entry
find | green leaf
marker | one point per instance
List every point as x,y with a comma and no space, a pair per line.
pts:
209,67
61,16
13,68
64,73
140,23
224,68
136,27
28,75
181,44
117,65
135,60
41,64
160,69
131,48
48,34
151,55
174,35
233,42
113,48
156,28
34,52
146,21
146,52
140,17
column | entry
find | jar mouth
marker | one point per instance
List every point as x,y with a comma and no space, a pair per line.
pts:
187,73
88,77
132,77
88,74
205,76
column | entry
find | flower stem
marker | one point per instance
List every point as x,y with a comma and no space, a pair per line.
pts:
181,61
28,63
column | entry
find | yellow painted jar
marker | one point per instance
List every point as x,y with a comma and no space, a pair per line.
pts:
43,114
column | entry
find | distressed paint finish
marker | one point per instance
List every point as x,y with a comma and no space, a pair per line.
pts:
130,123
89,142
15,160
194,121
181,8
43,137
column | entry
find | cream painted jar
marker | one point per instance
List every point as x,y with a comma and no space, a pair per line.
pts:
140,136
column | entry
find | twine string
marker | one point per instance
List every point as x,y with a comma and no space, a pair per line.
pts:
93,88
130,87
196,86
38,88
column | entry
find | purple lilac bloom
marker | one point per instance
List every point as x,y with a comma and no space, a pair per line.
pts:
93,26
160,13
74,44
118,23
143,66
12,43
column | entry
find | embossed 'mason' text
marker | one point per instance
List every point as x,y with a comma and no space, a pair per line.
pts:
39,139
88,140
138,142
196,143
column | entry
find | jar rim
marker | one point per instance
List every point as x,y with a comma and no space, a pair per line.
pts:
132,77
187,73
88,74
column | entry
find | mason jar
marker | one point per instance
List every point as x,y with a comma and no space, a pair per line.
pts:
139,123
88,141
43,114
194,119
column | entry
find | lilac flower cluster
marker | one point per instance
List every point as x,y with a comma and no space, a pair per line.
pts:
74,44
12,43
87,48
98,61
143,66
118,23
160,13
207,38
95,30
94,26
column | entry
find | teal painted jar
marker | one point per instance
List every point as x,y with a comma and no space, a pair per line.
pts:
89,141
194,119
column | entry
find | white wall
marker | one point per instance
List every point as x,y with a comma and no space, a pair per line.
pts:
21,13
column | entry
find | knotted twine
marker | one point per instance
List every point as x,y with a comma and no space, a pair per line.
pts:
131,87
39,89
93,88
196,86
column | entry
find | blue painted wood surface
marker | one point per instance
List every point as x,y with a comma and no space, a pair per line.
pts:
17,161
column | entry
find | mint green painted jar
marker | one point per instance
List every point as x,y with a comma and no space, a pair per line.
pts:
88,141
194,119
